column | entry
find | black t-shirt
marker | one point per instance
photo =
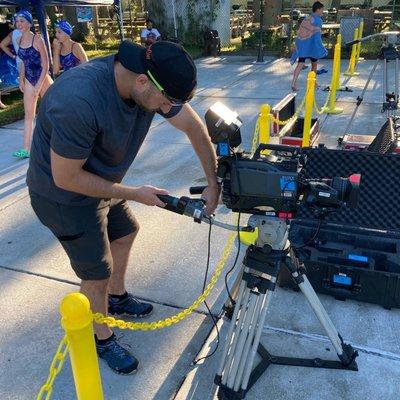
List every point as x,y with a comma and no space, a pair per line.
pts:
82,116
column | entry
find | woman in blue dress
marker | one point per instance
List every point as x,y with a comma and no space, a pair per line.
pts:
309,42
34,75
66,53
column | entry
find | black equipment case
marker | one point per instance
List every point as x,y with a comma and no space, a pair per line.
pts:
353,253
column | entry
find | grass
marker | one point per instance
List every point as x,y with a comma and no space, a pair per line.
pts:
14,101
14,110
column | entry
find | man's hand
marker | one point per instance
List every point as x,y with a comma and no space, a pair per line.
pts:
148,195
211,197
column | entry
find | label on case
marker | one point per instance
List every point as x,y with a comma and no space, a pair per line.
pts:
342,279
356,257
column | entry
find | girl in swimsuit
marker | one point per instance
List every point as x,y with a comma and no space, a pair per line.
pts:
66,53
309,43
34,76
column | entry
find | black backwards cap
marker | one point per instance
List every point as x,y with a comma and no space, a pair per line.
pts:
168,63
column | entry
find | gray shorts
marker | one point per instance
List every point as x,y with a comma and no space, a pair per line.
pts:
85,232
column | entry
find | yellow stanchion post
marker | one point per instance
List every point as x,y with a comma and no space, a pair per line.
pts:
308,108
339,61
360,33
265,125
77,321
330,108
351,70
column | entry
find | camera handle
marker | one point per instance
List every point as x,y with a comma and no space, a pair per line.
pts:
275,147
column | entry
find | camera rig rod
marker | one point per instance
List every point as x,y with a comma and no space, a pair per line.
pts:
369,37
193,208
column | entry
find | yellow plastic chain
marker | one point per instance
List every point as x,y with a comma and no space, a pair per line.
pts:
295,115
55,368
321,110
164,323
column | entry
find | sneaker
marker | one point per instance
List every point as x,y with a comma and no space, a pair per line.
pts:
21,154
117,357
129,305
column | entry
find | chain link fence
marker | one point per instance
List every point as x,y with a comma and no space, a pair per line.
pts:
344,16
187,20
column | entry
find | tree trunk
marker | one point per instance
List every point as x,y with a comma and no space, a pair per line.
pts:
256,10
272,10
96,22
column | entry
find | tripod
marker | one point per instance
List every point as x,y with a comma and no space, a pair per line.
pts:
388,52
261,266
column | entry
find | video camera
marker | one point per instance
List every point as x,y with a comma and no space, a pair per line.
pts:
258,183
261,183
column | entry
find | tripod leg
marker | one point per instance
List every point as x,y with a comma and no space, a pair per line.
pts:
361,97
249,341
396,79
245,331
237,327
232,326
344,351
384,85
250,359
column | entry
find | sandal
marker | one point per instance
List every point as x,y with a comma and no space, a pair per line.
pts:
21,154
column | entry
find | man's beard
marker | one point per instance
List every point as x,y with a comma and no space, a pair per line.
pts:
138,100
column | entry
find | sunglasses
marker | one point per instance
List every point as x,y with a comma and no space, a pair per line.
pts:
174,102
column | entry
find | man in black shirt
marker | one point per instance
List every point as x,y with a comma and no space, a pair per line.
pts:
89,128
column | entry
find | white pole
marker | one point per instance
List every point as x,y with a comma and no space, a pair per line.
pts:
173,13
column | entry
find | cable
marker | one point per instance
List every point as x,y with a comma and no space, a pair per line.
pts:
234,264
312,238
205,303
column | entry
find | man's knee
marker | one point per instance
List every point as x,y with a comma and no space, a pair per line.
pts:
127,240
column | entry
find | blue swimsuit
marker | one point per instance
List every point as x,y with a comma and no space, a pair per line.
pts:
32,62
69,61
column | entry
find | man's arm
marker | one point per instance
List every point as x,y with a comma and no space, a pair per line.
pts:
68,174
189,122
4,46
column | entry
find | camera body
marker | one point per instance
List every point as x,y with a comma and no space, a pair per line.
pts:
253,185
275,182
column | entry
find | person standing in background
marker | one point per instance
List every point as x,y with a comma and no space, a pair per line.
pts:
309,42
149,34
66,53
34,75
12,38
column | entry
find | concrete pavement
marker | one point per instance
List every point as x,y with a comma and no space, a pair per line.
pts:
168,264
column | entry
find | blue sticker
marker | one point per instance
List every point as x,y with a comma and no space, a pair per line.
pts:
223,149
288,183
356,257
342,280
